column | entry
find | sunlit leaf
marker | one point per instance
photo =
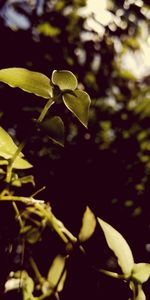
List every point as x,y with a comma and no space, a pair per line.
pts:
3,162
29,81
12,284
21,280
8,149
28,289
141,294
137,291
126,74
55,273
88,225
23,180
21,163
141,272
64,79
55,129
79,105
119,246
47,29
142,107
27,285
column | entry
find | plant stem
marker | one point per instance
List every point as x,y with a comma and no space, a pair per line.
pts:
10,165
18,214
33,264
52,222
45,110
42,297
25,200
115,275
21,146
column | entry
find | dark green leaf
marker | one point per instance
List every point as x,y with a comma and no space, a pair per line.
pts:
29,81
78,105
33,235
55,129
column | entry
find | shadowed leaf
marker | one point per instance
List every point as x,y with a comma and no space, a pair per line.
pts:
55,129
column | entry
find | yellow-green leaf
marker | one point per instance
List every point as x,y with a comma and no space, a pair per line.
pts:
21,280
141,294
88,225
64,79
141,272
8,149
55,273
48,30
119,246
137,291
29,81
23,180
78,104
21,163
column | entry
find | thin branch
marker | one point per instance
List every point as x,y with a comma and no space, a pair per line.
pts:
45,110
12,160
33,264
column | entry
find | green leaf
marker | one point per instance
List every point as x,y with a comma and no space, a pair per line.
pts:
29,81
78,105
55,129
126,74
12,284
55,273
2,171
21,279
48,30
119,246
3,162
23,180
88,225
64,79
28,288
141,294
137,291
33,235
21,163
141,272
8,149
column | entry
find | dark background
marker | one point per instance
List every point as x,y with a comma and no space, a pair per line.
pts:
106,166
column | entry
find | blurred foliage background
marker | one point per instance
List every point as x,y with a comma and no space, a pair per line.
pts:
106,44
